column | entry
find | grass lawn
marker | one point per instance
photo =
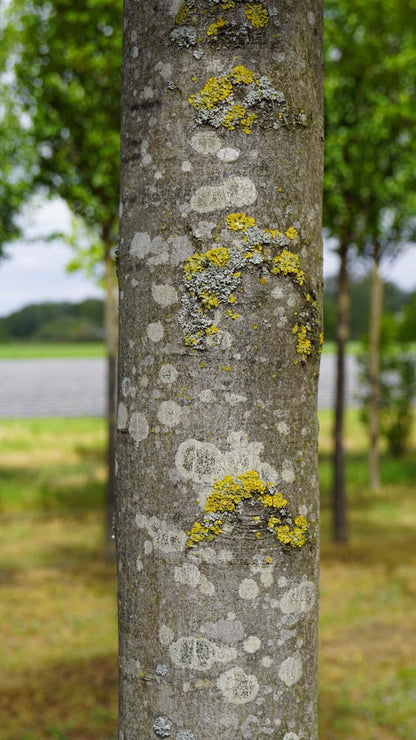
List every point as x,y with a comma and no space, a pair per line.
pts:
58,669
30,350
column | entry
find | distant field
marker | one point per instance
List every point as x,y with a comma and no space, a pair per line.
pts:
31,350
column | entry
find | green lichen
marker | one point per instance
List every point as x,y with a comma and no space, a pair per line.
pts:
228,498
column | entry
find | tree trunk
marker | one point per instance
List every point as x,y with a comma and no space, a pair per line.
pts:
342,332
220,329
111,339
376,310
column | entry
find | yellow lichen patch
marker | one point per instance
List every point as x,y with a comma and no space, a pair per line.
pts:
321,341
218,256
304,346
239,221
287,263
182,14
256,14
229,493
232,298
274,233
239,116
242,74
214,27
190,341
208,300
227,5
291,233
211,330
195,263
214,91
232,314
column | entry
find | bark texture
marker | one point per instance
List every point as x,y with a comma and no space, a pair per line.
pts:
220,331
376,310
339,499
111,340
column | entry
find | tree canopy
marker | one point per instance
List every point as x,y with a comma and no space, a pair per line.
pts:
370,73
63,62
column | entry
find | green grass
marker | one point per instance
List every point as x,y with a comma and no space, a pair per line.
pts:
58,667
31,350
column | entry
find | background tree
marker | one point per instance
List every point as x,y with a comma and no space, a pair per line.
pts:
370,153
220,321
63,62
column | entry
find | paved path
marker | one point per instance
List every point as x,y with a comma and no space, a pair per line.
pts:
76,387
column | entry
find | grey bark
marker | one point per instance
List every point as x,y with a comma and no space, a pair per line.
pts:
339,495
376,310
218,637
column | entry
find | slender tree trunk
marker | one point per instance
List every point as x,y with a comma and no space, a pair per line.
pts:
376,310
111,339
220,328
340,529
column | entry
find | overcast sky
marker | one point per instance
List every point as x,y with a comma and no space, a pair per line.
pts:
36,271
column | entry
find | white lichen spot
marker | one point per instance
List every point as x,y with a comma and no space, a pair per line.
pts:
155,331
127,388
198,461
234,191
225,630
288,474
148,547
282,582
139,564
141,245
282,427
168,374
207,396
311,18
190,575
300,599
290,671
169,413
164,294
303,510
199,654
138,427
164,69
147,93
122,416
277,293
265,569
206,142
144,381
165,539
238,687
215,557
186,166
234,398
267,661
166,635
251,644
228,154
135,52
248,589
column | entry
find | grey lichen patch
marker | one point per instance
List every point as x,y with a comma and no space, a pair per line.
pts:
291,736
164,294
228,154
206,142
166,539
234,191
299,600
212,280
168,374
251,644
199,654
162,726
238,687
190,575
169,413
138,427
240,99
184,735
122,416
248,589
290,671
224,630
155,331
197,461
